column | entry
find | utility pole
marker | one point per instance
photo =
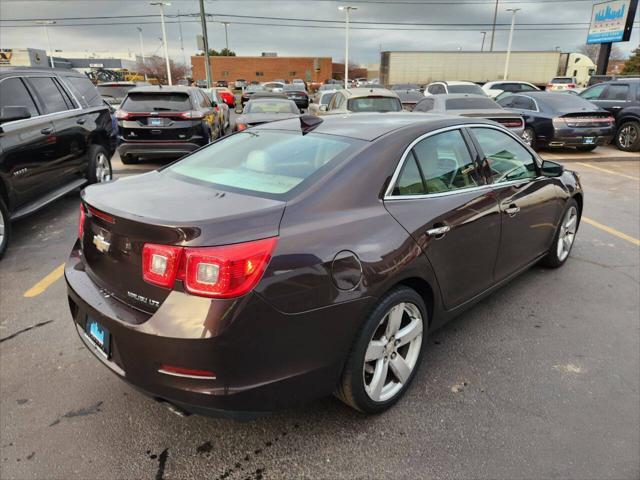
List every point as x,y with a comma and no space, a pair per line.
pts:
347,10
493,30
226,35
164,38
484,34
184,58
205,41
142,53
513,24
44,24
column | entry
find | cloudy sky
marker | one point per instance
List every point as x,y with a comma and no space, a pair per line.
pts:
391,25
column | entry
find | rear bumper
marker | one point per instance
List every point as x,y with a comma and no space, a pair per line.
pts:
157,149
263,359
574,137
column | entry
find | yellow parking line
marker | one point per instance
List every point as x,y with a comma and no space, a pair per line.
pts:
610,172
45,283
612,231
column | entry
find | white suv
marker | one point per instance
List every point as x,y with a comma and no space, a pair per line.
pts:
437,88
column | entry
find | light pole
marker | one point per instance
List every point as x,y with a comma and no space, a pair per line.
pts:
205,41
142,53
347,10
484,34
226,35
164,38
493,30
44,24
513,24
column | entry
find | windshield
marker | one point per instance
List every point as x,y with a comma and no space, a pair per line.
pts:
254,88
118,92
299,87
471,103
157,101
270,106
562,102
375,104
466,88
271,162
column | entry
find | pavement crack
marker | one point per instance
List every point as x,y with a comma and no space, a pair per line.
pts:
13,335
162,463
81,412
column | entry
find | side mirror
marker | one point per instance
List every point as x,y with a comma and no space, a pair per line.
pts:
323,108
10,114
552,169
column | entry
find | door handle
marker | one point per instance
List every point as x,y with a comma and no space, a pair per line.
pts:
438,232
81,121
512,211
46,131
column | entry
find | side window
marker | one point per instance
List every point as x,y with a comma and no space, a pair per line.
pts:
523,103
436,88
49,93
615,92
340,101
507,102
85,91
527,88
507,160
425,105
15,94
593,93
410,181
445,162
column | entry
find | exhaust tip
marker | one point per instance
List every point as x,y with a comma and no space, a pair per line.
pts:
173,408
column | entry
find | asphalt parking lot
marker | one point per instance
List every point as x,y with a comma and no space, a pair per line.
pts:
541,380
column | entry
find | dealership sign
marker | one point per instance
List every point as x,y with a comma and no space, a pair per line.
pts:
612,21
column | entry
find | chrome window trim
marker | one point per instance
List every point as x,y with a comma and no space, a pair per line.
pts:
388,195
69,92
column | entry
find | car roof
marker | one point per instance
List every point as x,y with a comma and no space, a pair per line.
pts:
362,92
11,70
369,126
163,89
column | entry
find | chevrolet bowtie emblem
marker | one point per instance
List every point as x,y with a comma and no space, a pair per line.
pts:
101,244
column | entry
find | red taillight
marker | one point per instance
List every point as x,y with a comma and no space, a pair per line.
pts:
122,115
192,115
571,85
241,126
160,264
218,272
102,215
81,218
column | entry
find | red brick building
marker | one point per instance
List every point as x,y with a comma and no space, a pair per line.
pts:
263,69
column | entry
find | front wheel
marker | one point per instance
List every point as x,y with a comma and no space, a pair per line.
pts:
5,228
628,137
99,165
386,353
565,236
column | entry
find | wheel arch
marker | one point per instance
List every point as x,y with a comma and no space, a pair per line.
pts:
424,289
99,137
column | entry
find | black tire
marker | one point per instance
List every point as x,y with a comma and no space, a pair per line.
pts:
352,389
629,144
533,143
586,148
128,159
99,157
5,228
553,258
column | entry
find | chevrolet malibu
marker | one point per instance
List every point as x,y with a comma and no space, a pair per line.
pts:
309,256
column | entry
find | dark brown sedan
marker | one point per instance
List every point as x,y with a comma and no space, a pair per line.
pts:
307,257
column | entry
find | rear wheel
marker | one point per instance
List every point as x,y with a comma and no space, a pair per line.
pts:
628,137
565,236
5,228
529,137
386,353
99,165
586,148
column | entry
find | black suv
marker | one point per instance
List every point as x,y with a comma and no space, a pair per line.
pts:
165,122
56,134
621,98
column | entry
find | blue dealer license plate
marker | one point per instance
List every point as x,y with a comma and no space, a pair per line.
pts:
589,140
98,335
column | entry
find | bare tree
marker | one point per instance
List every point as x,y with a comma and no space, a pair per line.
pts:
592,50
156,67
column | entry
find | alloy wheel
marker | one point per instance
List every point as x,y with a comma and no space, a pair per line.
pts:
2,227
627,136
103,168
393,352
567,233
527,136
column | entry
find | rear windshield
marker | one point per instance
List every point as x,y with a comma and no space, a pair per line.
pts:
375,104
470,88
562,102
269,162
114,92
562,80
157,101
471,103
257,106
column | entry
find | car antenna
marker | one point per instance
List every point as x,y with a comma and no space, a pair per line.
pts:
308,123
